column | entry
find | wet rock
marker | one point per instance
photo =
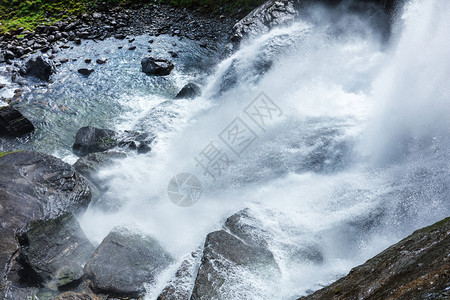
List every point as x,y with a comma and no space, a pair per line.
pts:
33,186
38,67
77,296
91,139
13,123
136,140
158,67
223,256
7,54
85,72
120,36
417,267
91,164
239,246
101,61
55,251
263,18
190,90
124,262
180,286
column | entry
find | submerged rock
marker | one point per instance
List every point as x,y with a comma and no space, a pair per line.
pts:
33,186
190,90
417,267
158,67
91,139
13,123
38,67
55,250
124,262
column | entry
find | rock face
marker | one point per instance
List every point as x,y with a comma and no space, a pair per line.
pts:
91,139
123,262
180,287
38,67
263,18
282,12
417,267
13,123
189,91
55,250
226,254
158,67
34,186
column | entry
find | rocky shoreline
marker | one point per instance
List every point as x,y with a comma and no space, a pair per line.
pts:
152,19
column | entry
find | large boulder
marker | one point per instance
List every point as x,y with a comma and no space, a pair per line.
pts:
91,139
54,251
34,186
38,67
189,91
13,123
158,67
124,262
229,256
417,267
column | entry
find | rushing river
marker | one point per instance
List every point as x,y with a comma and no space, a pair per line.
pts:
353,153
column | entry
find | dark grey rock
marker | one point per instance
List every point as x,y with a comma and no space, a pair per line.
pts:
91,164
54,251
158,67
85,72
33,186
124,262
417,267
38,67
180,286
190,90
101,61
91,139
223,256
13,123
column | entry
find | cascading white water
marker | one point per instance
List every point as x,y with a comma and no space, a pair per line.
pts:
358,159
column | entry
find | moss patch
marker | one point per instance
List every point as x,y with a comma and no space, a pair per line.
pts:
8,152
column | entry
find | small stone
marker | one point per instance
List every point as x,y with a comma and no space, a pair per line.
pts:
101,61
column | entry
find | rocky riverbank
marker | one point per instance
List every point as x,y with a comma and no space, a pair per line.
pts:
152,19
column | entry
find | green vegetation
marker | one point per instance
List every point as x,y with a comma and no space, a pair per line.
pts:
15,14
6,153
28,14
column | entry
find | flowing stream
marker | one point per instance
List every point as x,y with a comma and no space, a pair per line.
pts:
354,156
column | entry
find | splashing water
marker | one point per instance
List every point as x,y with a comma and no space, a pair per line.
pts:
357,158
